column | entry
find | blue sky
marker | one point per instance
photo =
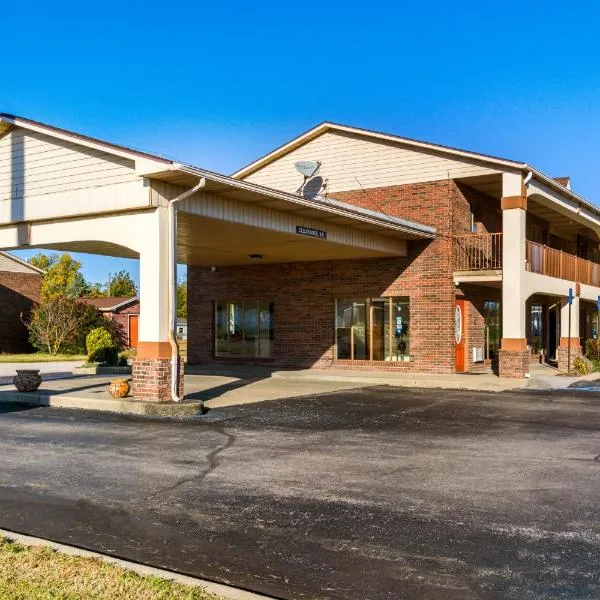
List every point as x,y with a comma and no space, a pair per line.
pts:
218,84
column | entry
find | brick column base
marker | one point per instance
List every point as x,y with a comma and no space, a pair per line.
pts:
152,379
562,354
513,363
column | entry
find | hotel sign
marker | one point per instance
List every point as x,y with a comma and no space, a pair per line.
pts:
316,233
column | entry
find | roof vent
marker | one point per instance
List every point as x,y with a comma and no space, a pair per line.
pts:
564,181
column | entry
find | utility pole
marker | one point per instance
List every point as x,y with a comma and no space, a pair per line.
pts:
108,289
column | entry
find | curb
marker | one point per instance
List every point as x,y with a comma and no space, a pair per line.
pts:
123,406
226,591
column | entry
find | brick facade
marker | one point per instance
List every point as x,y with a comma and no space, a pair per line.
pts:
19,292
122,319
562,355
514,363
152,379
304,293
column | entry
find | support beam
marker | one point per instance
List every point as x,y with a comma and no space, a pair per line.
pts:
514,354
152,365
570,343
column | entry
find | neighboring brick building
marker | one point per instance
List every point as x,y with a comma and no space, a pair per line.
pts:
125,311
20,289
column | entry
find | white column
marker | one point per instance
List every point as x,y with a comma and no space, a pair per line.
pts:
513,259
154,278
564,321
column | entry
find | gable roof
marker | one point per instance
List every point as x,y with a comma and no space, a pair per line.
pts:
81,139
326,126
22,264
486,159
110,303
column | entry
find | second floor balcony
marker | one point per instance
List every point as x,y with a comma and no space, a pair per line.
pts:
483,252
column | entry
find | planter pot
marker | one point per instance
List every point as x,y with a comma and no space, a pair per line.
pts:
27,380
119,388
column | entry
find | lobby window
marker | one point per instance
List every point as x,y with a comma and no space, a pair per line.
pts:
243,329
373,329
491,316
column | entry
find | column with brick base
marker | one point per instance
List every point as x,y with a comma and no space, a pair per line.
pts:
514,354
152,365
562,352
514,358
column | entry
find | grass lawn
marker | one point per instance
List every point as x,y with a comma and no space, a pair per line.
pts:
38,573
39,357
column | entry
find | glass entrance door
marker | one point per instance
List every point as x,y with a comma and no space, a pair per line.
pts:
373,329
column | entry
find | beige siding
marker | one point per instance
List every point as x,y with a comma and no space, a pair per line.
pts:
7,264
229,209
44,177
348,159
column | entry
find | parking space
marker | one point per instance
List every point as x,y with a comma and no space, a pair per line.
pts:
370,493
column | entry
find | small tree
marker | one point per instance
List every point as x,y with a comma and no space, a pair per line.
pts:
93,290
63,278
43,261
121,284
54,324
182,300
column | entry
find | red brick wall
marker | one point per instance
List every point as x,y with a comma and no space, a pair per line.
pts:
304,293
122,319
18,294
475,298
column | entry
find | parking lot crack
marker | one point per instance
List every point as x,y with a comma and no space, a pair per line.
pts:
212,459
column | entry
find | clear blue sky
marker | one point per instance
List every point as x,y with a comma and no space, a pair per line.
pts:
218,84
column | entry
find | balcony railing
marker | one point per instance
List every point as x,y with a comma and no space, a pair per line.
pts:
478,252
556,263
483,252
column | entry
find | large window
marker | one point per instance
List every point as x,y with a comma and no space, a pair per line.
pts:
373,329
243,329
492,328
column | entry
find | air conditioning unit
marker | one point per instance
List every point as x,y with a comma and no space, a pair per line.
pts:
477,354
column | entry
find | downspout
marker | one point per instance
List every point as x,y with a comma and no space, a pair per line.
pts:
528,178
173,286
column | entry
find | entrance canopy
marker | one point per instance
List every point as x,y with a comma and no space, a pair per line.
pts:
232,222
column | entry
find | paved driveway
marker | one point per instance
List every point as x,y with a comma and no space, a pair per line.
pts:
366,494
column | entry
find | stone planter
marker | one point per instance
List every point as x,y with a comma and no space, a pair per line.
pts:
27,380
119,388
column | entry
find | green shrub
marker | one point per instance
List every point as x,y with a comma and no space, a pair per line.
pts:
592,349
91,318
101,347
582,365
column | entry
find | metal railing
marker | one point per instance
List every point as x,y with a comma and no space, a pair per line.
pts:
478,252
556,263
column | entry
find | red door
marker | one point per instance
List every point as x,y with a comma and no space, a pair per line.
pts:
459,336
133,330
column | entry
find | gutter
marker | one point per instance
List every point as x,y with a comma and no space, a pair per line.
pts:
173,286
330,205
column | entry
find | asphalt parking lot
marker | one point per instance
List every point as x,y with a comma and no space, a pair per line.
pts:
378,493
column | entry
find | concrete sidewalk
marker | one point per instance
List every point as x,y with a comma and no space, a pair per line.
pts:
215,386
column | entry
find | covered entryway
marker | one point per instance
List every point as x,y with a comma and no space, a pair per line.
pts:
106,199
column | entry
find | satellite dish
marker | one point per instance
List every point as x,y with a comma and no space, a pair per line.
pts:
308,168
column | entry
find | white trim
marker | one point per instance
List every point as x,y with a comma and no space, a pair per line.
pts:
464,154
327,126
24,263
327,205
87,141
